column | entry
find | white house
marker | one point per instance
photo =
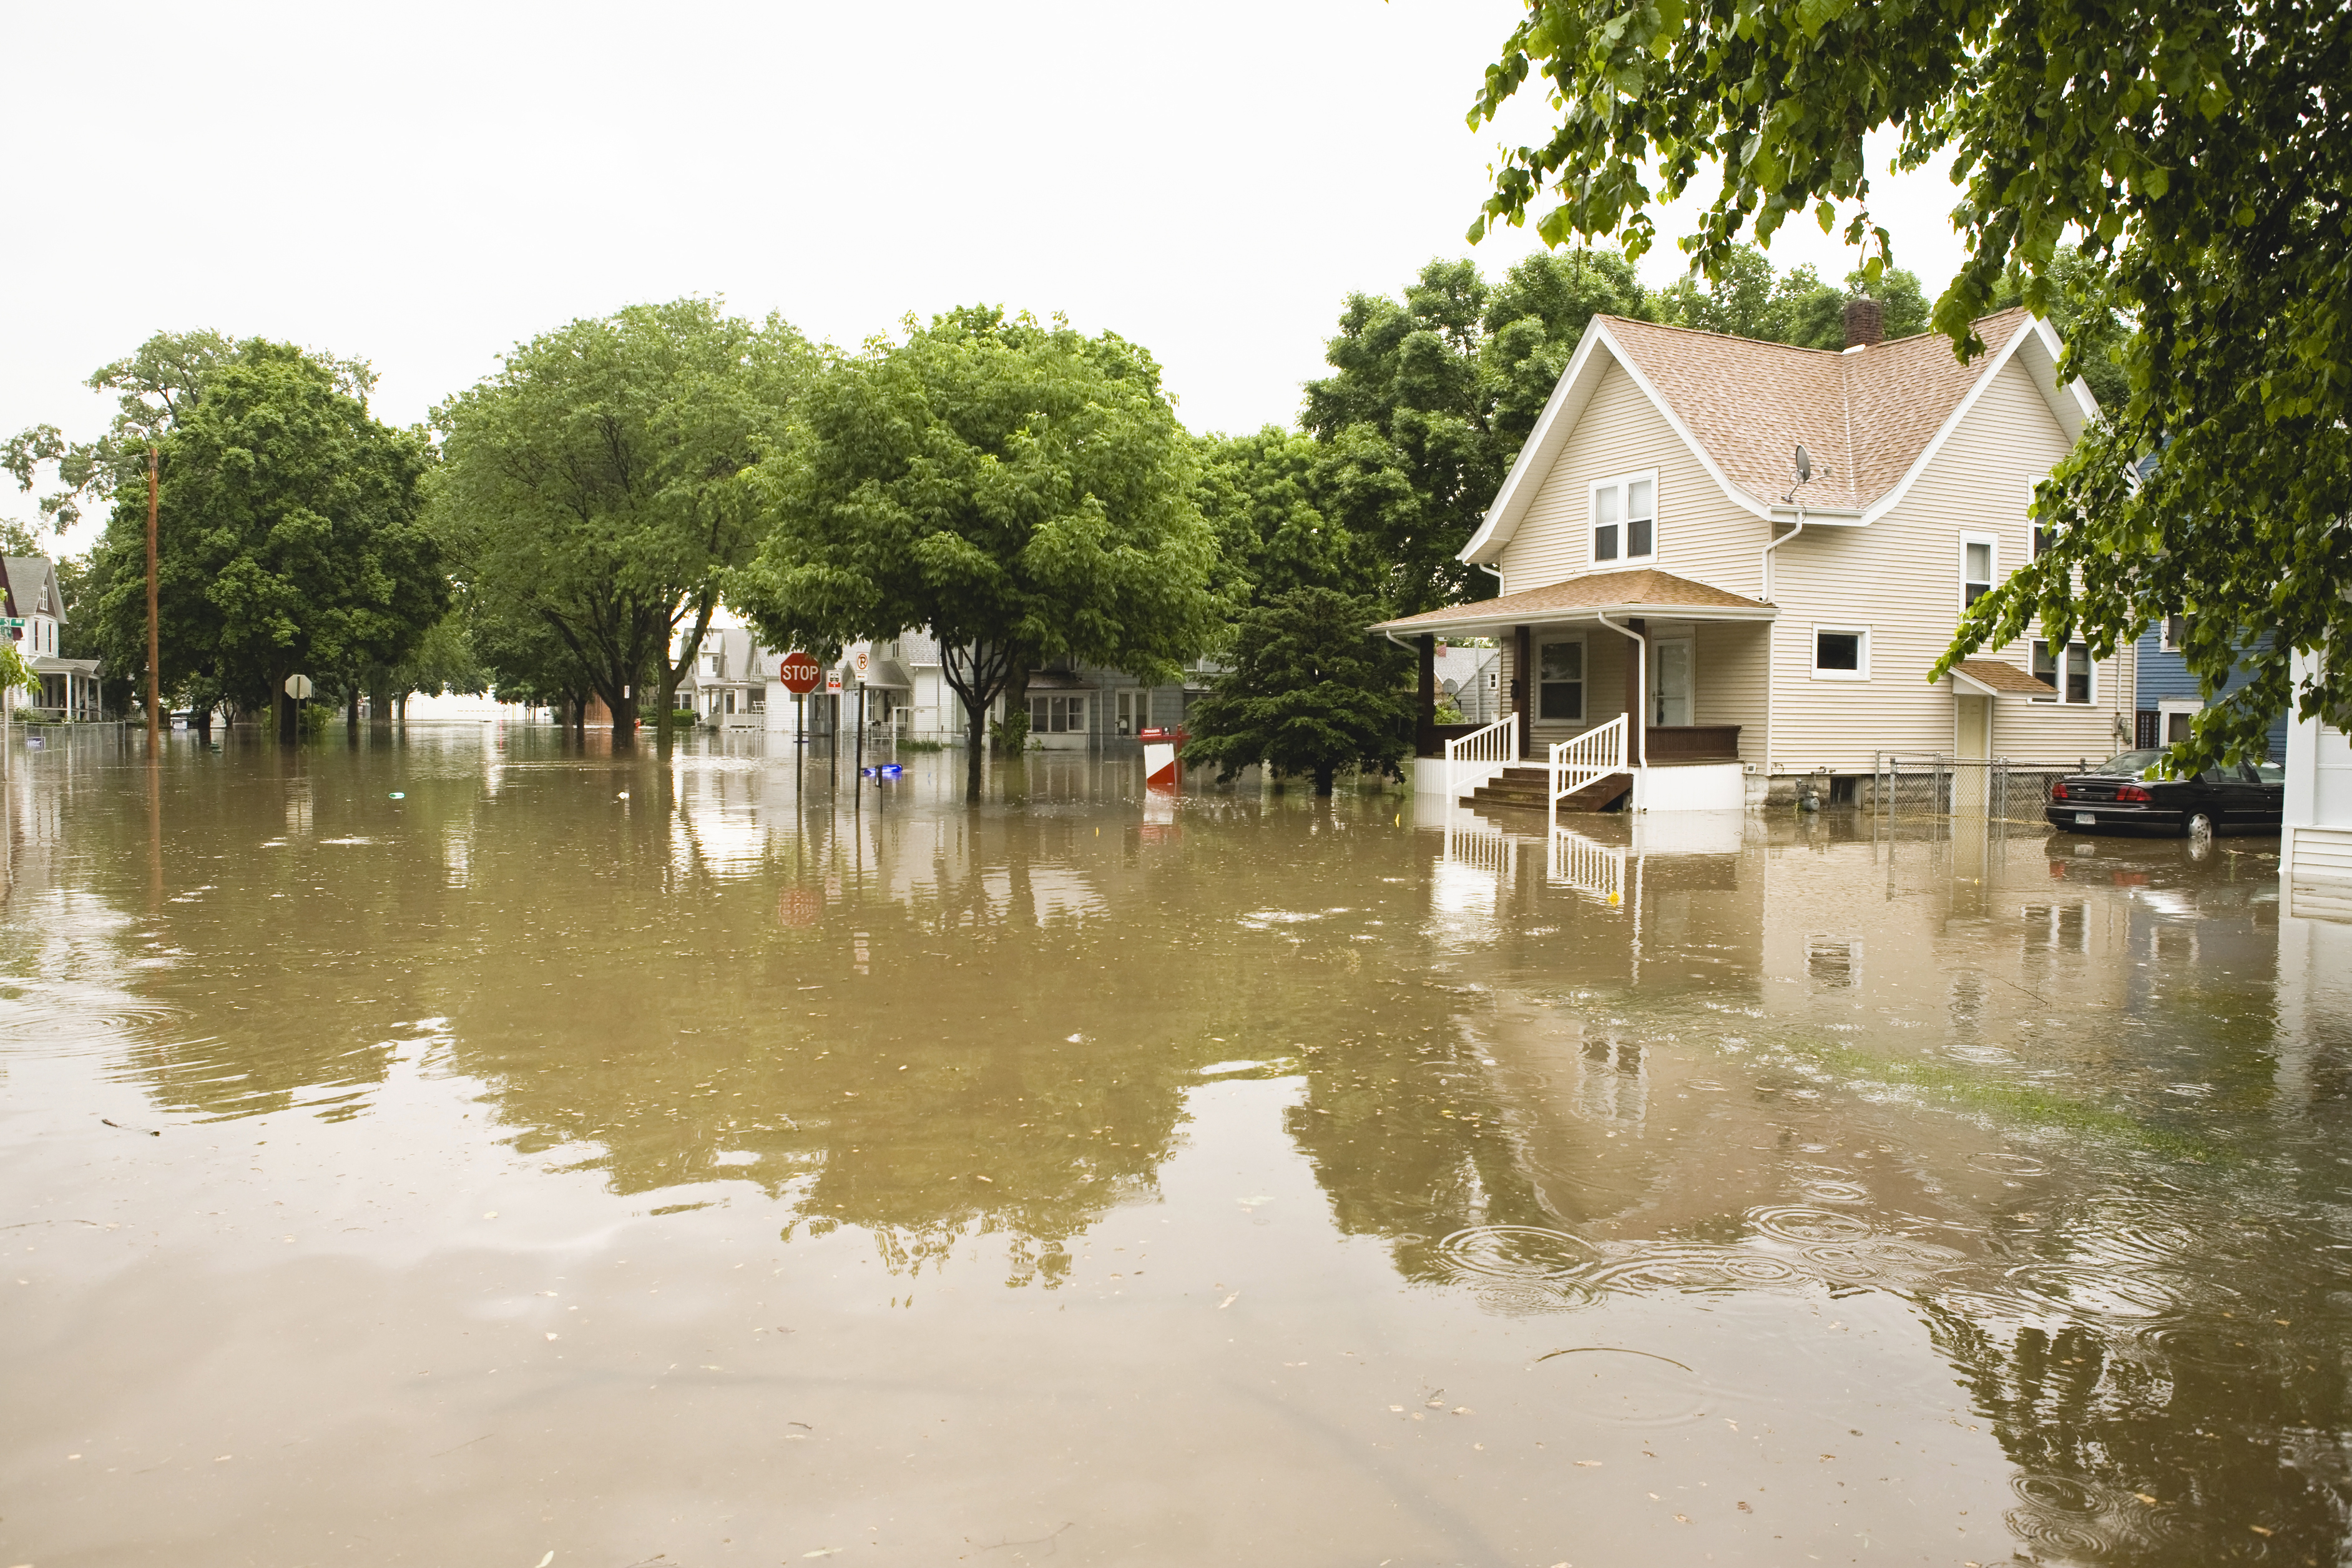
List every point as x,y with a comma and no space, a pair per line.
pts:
2315,828
1672,588
70,686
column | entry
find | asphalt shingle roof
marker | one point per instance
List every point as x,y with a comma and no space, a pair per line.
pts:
1865,417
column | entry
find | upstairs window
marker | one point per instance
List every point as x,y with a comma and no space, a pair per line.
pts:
2066,670
1978,553
1625,521
2175,633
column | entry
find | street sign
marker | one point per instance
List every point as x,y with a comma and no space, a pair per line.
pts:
799,673
297,686
833,682
11,620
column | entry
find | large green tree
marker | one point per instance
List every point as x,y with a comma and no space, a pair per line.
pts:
1258,493
1308,693
594,487
288,537
1430,399
2202,153
154,386
1021,489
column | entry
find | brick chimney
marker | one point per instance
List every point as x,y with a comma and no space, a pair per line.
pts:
1865,322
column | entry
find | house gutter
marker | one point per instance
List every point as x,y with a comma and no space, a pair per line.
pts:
1764,561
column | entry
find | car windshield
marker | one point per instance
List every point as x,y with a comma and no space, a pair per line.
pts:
2270,774
2131,764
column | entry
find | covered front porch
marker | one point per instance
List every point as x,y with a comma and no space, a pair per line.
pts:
1633,690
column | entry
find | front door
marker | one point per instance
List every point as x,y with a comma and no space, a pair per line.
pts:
1670,683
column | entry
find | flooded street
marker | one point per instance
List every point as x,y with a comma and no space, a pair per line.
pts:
463,1149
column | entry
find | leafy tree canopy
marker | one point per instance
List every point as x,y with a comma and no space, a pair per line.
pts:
1023,489
1258,493
154,388
1309,691
1431,397
288,534
594,489
1747,298
2202,156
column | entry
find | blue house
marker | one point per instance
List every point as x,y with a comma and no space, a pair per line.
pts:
2166,696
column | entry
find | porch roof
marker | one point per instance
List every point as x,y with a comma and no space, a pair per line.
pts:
1993,678
1647,592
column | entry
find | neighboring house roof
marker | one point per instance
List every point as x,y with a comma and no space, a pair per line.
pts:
1059,680
33,586
919,648
1871,418
1995,679
1640,593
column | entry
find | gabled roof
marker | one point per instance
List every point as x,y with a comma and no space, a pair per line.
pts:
33,586
1871,418
1641,593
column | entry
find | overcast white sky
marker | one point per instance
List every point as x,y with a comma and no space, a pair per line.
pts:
422,185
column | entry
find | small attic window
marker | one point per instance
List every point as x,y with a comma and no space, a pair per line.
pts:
1625,519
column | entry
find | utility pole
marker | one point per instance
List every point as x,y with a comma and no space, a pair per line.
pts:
154,633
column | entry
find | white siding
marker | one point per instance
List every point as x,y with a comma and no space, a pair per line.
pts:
1900,577
1701,535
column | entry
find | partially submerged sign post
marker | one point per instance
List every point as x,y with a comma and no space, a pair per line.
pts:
299,688
800,674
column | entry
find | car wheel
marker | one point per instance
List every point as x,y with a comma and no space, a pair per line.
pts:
2197,827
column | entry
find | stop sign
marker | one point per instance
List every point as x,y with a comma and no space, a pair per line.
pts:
798,673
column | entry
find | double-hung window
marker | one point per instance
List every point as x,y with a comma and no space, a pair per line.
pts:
1979,554
2176,634
1625,521
2065,669
1560,680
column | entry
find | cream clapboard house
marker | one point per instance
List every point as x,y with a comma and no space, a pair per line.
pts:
1659,561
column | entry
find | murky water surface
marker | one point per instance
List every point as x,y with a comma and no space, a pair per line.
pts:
433,1154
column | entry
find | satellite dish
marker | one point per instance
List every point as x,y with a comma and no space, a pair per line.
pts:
1804,463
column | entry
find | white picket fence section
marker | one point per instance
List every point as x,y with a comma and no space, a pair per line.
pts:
1591,756
1486,751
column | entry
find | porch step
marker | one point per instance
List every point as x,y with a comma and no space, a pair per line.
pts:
1529,789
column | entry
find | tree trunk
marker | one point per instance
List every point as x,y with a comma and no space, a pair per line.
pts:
975,710
690,649
1323,772
380,704
352,712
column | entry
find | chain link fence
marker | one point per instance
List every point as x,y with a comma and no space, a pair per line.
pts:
1992,789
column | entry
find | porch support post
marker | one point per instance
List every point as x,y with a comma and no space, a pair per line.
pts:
1636,700
1522,685
1425,721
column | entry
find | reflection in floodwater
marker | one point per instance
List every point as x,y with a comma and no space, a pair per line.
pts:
903,1177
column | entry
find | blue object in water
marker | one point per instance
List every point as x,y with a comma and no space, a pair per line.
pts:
886,770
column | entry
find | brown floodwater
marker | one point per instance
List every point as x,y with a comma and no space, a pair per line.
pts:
461,1149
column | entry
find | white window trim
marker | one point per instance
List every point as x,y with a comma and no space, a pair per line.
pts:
1625,560
1585,705
1821,674
2163,642
2057,699
1991,542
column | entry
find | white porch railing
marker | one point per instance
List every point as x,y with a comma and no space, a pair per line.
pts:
1590,757
1594,870
1491,749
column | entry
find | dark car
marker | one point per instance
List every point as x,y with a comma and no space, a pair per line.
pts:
2130,794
